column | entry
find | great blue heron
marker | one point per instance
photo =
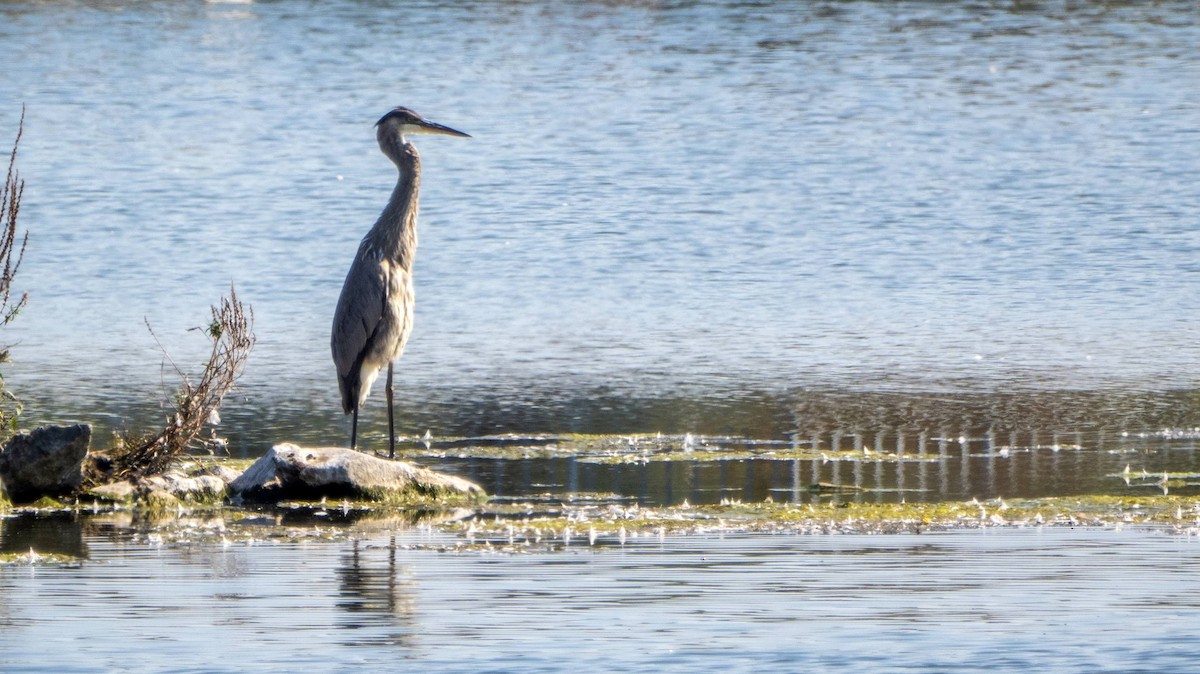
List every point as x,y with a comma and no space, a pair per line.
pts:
375,311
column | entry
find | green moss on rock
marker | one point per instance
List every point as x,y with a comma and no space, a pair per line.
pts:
47,503
159,501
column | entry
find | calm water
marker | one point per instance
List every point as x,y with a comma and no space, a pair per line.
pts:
1002,600
681,200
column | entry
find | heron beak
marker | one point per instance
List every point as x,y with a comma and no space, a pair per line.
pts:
426,126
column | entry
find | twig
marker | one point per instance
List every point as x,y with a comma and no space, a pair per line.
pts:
232,334
10,261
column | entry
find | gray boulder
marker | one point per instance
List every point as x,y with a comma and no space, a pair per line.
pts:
47,461
312,473
206,489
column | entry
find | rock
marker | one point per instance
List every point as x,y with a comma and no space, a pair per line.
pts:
224,473
312,473
45,462
185,488
116,492
158,499
204,488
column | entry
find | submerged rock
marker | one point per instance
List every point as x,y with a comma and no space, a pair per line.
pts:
44,462
292,472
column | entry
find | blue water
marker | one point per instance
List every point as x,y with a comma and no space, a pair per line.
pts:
856,221
1004,600
701,199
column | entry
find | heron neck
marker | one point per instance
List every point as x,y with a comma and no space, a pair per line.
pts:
395,233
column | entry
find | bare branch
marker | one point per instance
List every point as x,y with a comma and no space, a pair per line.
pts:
10,208
232,334
11,256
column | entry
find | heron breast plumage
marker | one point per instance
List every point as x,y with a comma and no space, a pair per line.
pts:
382,300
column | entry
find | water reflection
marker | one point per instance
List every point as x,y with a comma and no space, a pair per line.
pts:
687,603
880,467
373,587
55,534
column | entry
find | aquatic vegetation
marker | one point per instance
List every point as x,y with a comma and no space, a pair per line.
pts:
47,503
512,529
558,519
587,520
423,497
417,499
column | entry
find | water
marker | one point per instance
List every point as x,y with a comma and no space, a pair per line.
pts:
1006,600
707,201
849,224
879,469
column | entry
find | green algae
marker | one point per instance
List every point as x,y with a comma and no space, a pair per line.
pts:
160,502
423,496
516,526
511,529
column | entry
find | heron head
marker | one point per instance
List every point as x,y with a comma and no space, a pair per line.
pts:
405,121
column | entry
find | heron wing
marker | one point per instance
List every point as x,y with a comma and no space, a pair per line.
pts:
356,320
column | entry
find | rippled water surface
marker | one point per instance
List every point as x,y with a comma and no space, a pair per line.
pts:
959,230
1054,599
698,200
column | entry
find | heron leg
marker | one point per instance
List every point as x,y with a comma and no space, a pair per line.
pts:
391,418
354,429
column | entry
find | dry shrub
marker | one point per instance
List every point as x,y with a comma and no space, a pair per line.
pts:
196,404
12,252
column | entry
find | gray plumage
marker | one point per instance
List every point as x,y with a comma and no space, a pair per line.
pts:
374,314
